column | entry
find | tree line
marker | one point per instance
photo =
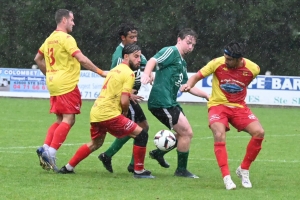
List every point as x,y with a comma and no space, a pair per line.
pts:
269,28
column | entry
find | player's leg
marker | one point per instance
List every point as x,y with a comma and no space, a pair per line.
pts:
117,144
218,123
168,117
97,136
184,136
254,128
140,118
122,126
139,150
47,142
66,105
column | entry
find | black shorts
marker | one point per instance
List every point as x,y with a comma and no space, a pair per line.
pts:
168,116
135,112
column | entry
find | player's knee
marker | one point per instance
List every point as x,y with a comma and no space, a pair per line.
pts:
144,125
260,133
141,139
95,144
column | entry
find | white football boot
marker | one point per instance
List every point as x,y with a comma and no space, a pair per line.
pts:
229,184
244,175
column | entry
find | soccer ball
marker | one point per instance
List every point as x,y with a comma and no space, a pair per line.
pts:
164,140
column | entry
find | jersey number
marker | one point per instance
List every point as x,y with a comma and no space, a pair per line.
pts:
105,84
51,55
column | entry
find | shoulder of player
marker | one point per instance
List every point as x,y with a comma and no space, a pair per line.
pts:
169,49
252,66
217,61
123,69
118,52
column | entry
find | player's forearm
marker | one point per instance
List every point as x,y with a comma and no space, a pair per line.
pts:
40,61
197,92
125,103
86,63
150,66
193,80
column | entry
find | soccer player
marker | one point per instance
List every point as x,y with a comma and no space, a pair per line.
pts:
170,74
59,59
109,114
232,73
128,34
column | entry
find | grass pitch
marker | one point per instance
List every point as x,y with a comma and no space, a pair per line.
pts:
24,122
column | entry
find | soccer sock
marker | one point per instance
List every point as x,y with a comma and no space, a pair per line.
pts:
83,152
253,148
116,146
139,157
182,160
52,152
132,158
46,147
222,157
60,135
50,134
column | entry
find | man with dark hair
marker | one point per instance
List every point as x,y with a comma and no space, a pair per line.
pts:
232,73
171,72
128,34
59,59
109,112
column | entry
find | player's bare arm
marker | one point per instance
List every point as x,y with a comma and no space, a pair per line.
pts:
190,83
135,98
40,61
200,93
147,76
125,103
87,63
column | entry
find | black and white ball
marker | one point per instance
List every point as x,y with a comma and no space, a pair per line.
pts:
164,140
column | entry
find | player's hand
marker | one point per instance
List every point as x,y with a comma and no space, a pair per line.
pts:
207,97
151,79
185,88
104,74
145,79
125,113
136,98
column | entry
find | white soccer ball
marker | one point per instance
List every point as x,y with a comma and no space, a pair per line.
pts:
164,140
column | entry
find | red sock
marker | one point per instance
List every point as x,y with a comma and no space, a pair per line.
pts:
83,152
60,135
253,148
50,133
222,158
139,157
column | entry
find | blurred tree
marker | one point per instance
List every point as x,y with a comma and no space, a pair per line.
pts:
269,28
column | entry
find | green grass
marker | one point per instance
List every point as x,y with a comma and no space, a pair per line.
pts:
24,122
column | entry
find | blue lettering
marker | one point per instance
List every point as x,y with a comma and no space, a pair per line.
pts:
280,100
253,99
84,74
94,75
296,101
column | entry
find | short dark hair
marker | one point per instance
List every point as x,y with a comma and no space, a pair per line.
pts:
60,13
124,28
130,48
235,49
187,31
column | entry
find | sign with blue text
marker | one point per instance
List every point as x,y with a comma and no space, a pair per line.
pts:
263,90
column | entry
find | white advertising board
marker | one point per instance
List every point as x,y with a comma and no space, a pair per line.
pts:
264,90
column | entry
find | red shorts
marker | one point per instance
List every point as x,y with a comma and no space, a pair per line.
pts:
119,127
69,103
239,118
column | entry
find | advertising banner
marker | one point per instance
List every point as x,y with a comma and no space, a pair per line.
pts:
263,90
